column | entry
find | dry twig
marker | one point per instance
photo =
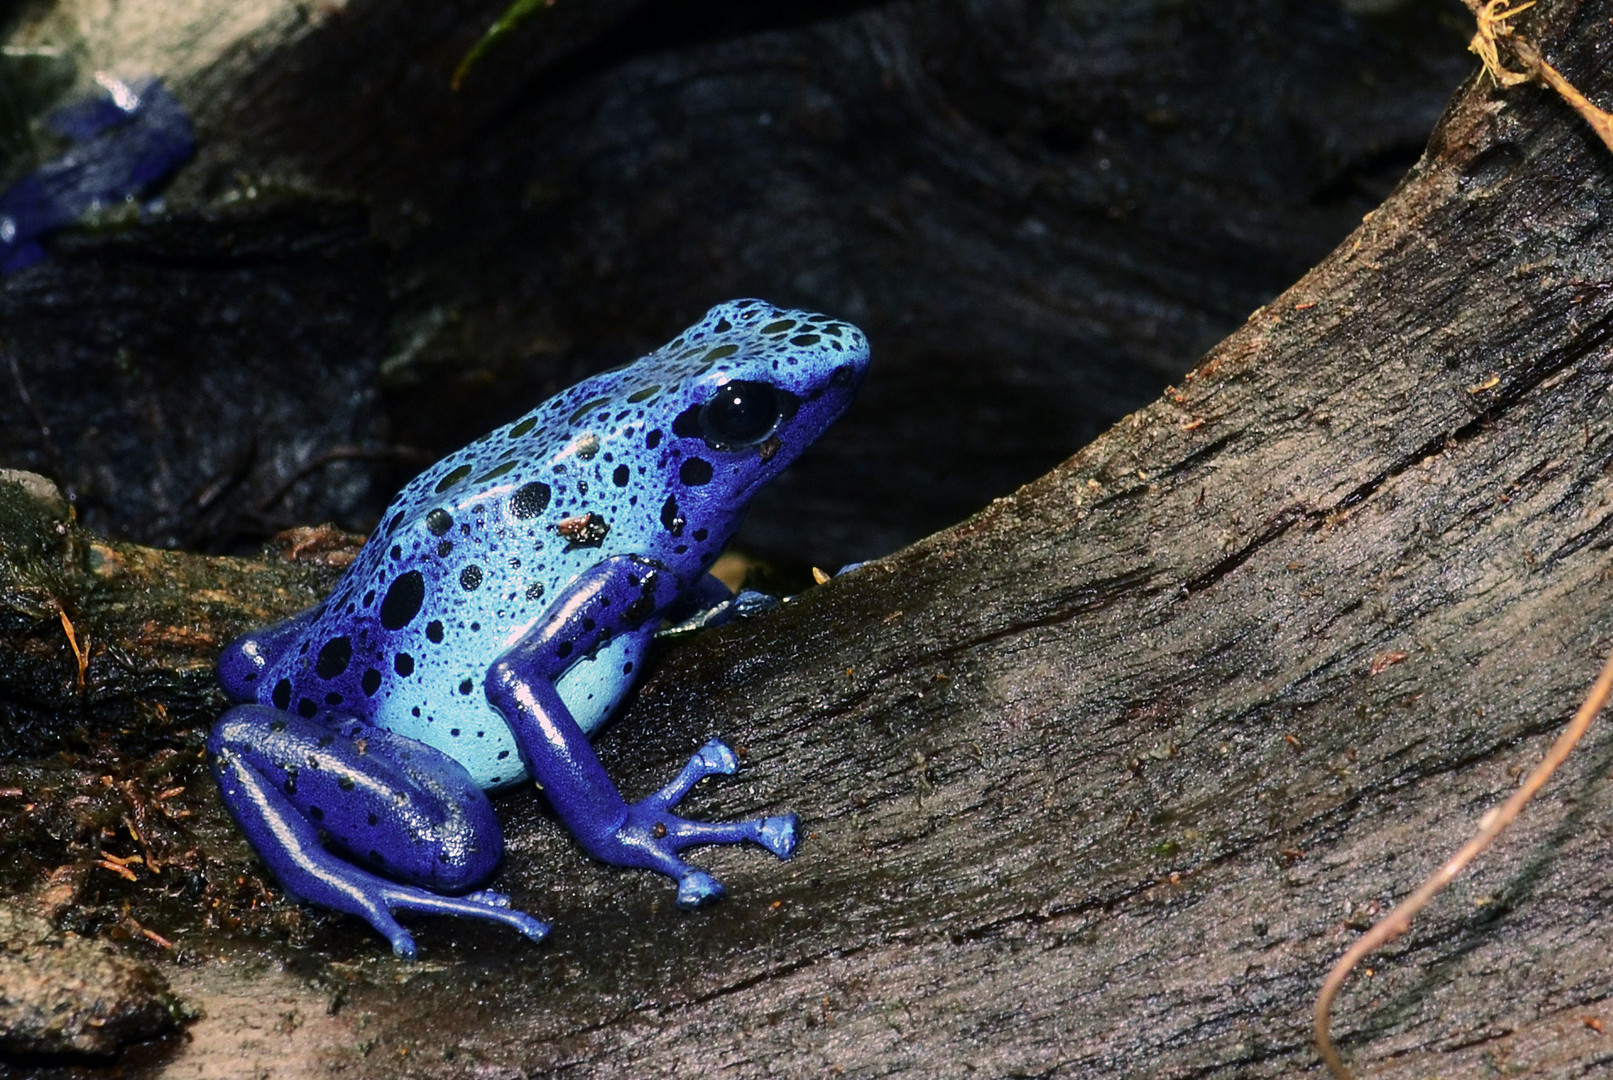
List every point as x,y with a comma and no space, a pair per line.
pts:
1397,921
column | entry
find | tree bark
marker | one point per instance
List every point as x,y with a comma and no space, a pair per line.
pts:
1100,781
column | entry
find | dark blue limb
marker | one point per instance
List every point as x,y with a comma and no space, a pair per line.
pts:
618,595
711,604
295,784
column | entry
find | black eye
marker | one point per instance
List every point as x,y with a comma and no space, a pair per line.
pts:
741,414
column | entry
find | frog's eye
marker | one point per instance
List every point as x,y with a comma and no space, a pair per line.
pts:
741,414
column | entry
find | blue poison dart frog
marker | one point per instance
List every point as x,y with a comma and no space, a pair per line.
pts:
498,614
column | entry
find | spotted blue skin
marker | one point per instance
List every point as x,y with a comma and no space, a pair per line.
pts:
498,615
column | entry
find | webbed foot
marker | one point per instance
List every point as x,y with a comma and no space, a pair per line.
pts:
652,835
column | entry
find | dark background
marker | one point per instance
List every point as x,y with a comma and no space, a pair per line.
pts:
1040,213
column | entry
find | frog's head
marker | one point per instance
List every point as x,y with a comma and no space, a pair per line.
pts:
749,387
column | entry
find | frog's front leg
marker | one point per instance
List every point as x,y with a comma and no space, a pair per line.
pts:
619,595
710,603
407,810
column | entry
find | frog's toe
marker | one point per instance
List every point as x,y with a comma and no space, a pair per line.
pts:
534,929
524,924
778,834
403,946
750,603
697,888
486,904
374,911
716,757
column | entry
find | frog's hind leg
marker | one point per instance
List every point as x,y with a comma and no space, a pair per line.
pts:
407,810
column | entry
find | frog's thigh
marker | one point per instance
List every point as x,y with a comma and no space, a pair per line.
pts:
596,684
392,804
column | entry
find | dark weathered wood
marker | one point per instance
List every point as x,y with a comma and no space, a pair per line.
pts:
1100,781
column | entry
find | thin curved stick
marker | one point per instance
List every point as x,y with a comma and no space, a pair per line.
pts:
1396,922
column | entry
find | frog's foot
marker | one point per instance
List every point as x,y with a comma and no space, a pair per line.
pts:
652,835
750,603
375,899
713,605
316,876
